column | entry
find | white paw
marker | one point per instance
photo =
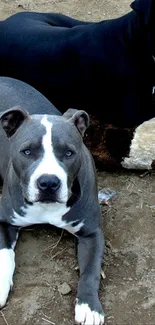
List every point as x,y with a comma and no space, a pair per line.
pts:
7,264
85,316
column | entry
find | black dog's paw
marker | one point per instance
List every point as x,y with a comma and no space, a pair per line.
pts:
84,315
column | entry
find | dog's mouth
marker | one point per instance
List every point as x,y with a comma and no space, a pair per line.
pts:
73,194
28,202
46,200
50,201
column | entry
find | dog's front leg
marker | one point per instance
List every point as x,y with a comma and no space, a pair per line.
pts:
88,309
8,237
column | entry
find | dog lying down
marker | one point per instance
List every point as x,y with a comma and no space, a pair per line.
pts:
48,177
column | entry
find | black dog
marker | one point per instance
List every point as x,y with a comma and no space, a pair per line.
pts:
106,67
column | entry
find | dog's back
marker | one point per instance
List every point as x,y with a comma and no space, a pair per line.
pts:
17,93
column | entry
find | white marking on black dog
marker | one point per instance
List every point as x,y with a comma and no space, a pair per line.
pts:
48,165
7,266
84,315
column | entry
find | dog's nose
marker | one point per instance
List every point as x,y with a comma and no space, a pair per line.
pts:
48,183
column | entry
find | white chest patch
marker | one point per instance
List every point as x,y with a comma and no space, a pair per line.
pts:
142,149
41,213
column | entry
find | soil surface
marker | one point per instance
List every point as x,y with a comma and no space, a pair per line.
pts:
45,258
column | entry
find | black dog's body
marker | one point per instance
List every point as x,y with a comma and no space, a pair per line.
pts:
105,67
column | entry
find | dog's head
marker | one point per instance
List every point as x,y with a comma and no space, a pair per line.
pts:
45,152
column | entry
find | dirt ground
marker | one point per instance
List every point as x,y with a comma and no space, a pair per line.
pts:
44,262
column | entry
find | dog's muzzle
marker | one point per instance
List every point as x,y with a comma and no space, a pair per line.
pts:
49,186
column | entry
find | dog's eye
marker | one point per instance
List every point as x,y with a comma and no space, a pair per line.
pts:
68,153
26,152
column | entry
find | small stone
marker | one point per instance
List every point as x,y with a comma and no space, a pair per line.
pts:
76,268
25,4
103,274
64,289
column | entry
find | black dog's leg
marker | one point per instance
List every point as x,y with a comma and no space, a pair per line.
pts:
8,238
88,309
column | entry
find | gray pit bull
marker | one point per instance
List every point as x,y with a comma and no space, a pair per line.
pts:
48,177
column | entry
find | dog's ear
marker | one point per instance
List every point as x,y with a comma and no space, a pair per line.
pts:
11,119
79,118
145,9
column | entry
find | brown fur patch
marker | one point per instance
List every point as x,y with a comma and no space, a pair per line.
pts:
108,144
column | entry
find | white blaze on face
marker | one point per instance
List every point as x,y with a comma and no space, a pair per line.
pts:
48,165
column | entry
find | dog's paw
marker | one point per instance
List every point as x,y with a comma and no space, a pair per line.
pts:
85,316
6,274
